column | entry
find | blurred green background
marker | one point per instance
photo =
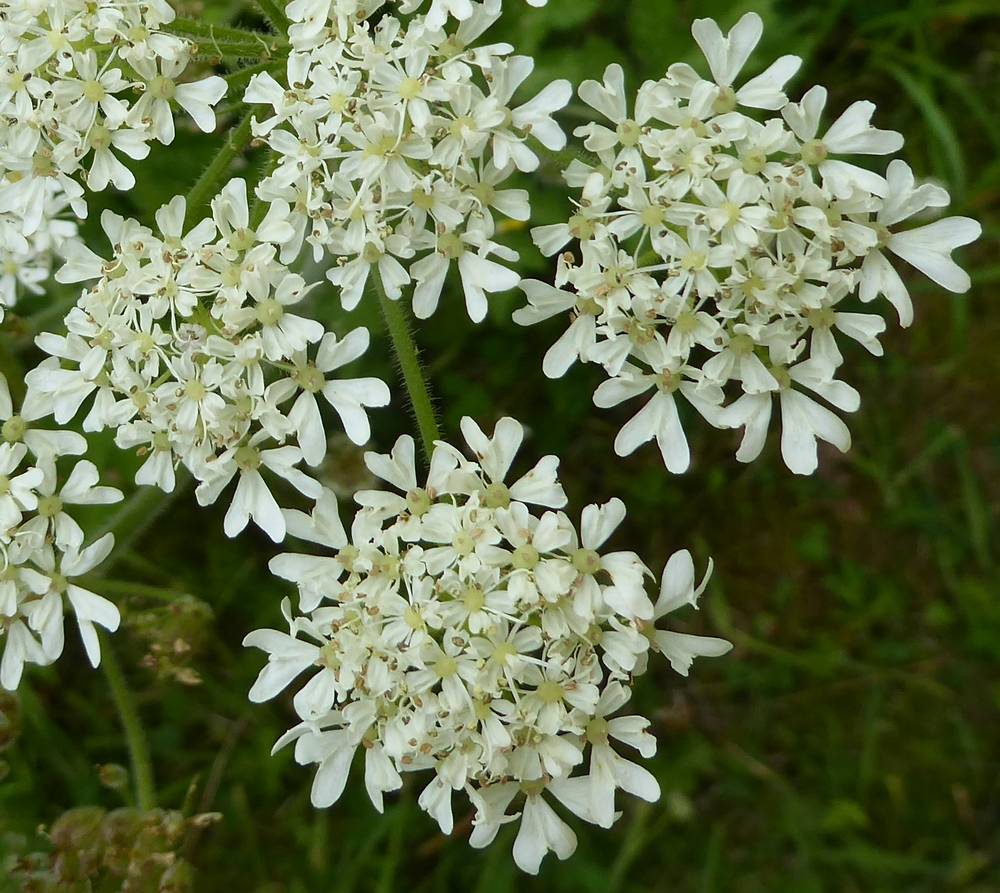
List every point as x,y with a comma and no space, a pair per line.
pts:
851,742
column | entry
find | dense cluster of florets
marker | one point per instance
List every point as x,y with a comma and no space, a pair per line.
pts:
126,849
468,628
188,346
27,261
83,84
719,251
43,550
394,142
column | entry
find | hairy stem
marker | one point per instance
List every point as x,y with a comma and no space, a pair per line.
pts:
260,207
411,371
135,737
275,14
563,158
210,181
226,41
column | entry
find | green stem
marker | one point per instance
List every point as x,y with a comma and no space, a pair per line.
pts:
135,737
275,14
260,207
408,358
126,588
208,184
196,28
138,512
228,41
562,158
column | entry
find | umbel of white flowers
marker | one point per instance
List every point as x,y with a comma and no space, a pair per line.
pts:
43,549
469,630
393,144
70,72
467,627
26,261
721,246
188,347
66,113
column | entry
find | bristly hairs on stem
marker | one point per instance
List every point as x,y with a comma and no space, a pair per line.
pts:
410,369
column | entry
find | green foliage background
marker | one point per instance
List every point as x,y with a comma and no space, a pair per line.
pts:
851,742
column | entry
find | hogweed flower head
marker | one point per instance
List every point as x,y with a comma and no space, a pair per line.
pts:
188,344
27,261
395,141
68,109
469,628
43,549
723,240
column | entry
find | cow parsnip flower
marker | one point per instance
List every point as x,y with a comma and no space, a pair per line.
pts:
394,142
464,625
43,547
720,254
188,344
313,21
27,261
71,69
469,628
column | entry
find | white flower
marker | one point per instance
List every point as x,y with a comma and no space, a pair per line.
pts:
592,796
929,248
850,134
42,549
197,98
478,273
185,345
252,499
803,420
659,418
677,590
80,488
720,257
464,633
726,57
541,831
88,607
393,150
75,68
349,397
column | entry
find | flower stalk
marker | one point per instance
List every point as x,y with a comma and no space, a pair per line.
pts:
411,371
135,736
275,14
202,193
228,41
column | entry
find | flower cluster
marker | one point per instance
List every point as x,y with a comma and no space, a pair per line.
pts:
720,248
127,849
187,345
71,69
394,142
42,547
468,629
27,261
313,21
